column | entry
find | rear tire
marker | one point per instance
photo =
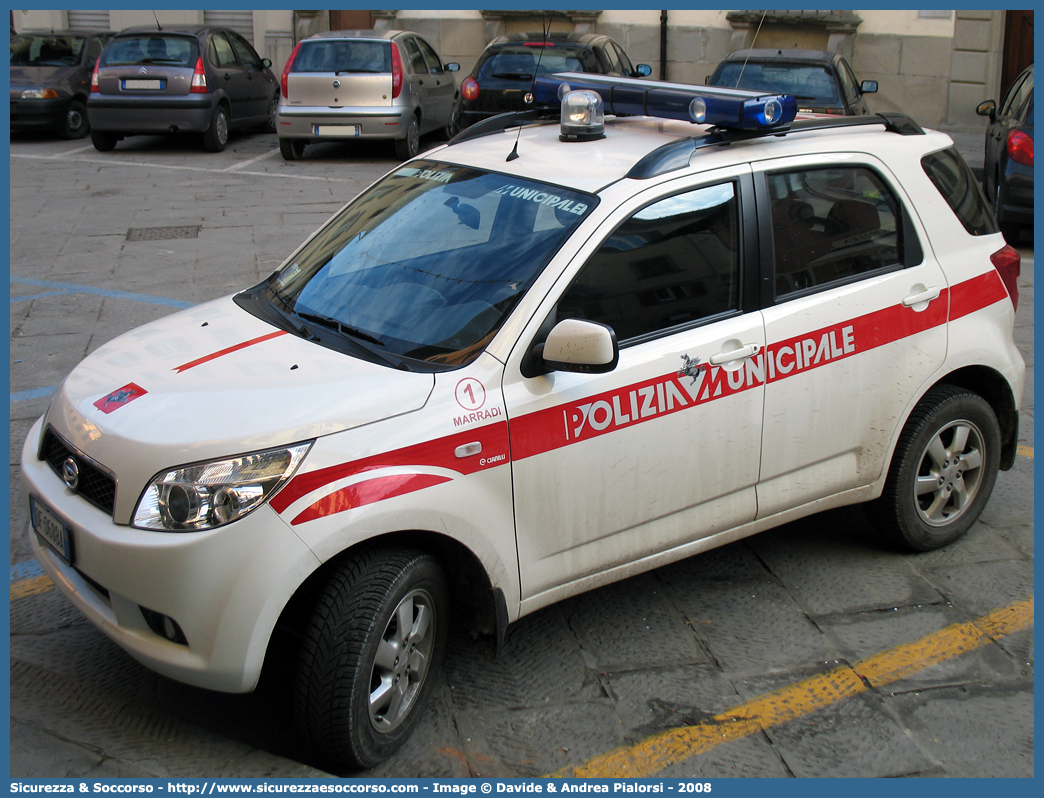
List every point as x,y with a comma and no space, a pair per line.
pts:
370,654
409,146
942,472
103,142
291,149
216,136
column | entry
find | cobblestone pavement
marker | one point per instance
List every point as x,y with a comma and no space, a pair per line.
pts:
809,650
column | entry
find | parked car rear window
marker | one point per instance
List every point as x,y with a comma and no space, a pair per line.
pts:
343,56
956,182
46,50
521,62
167,49
804,81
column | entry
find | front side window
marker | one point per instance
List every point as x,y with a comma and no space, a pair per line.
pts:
833,224
672,263
423,268
954,179
247,56
430,56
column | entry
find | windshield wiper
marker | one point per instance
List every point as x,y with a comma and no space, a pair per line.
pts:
341,327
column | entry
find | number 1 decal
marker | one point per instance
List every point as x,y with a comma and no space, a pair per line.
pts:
470,394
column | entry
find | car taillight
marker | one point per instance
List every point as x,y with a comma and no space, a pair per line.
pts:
469,89
1020,147
396,71
1008,263
286,71
94,75
199,79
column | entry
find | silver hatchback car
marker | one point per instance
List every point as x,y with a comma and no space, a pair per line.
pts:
371,84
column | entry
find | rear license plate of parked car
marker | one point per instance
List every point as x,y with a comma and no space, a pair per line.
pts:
142,84
337,130
52,531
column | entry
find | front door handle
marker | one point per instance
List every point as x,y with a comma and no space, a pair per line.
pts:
736,354
924,296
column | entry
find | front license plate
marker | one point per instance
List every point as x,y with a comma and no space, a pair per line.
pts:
142,84
336,130
50,530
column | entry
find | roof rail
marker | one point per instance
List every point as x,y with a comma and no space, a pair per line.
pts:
676,154
500,122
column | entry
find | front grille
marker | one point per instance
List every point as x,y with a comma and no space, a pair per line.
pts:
95,485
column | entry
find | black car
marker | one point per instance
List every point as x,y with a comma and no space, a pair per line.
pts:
1007,175
821,80
502,79
51,78
202,80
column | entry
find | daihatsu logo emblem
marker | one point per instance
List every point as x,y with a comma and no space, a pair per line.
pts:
71,474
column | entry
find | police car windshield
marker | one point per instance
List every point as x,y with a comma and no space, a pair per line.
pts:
427,264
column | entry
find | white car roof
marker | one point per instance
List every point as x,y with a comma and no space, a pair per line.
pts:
592,165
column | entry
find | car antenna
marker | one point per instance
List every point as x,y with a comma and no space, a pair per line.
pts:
752,43
545,28
158,26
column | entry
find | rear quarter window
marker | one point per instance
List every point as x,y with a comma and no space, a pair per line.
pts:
954,179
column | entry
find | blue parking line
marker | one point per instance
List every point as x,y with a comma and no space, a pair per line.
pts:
25,570
31,297
35,393
73,288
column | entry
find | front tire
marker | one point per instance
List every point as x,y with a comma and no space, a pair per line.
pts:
216,136
409,146
269,125
74,125
370,654
942,472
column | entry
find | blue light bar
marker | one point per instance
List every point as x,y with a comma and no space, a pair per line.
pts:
734,109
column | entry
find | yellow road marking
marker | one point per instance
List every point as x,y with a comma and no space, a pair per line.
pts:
30,587
1024,451
817,692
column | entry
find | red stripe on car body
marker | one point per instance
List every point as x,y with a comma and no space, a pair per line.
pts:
228,350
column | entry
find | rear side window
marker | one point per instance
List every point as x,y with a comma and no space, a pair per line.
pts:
674,262
152,49
955,181
832,225
335,55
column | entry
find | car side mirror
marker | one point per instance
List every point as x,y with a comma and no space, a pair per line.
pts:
266,63
452,66
576,345
643,70
868,86
988,108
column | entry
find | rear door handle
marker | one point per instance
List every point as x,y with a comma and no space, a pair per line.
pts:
924,296
736,354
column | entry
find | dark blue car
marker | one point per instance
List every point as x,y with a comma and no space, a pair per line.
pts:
1007,176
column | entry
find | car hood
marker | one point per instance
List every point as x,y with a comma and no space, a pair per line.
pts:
215,381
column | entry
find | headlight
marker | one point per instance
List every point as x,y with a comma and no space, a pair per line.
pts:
39,94
209,495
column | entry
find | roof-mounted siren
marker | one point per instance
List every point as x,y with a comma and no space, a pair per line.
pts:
731,109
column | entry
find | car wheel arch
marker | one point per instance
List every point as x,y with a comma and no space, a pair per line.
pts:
475,602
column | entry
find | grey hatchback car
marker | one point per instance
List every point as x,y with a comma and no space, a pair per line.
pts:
202,80
365,84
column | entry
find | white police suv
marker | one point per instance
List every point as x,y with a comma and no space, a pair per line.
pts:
545,356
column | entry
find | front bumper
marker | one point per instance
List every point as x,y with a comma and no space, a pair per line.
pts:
371,123
149,115
38,114
225,588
